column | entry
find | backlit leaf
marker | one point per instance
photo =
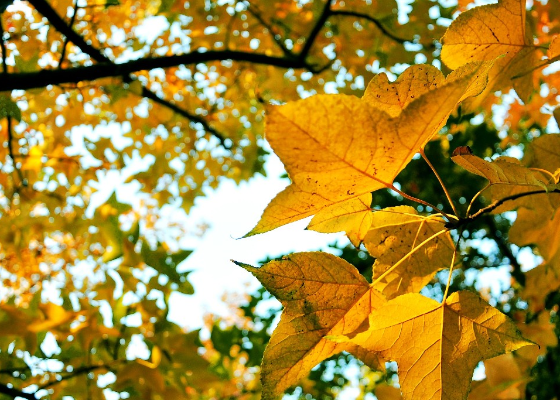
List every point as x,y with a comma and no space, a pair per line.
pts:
322,295
339,147
491,31
352,216
394,233
437,346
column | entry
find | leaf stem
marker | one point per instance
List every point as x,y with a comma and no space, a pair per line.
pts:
545,172
474,198
411,252
439,180
451,267
416,200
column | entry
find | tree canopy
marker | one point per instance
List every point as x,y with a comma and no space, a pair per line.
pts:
424,131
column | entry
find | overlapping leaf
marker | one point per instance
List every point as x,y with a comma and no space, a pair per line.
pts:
394,234
322,295
487,32
338,147
506,176
437,346
353,216
538,216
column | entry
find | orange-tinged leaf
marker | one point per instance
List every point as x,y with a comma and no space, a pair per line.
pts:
338,147
352,216
322,295
540,226
539,282
544,153
504,380
488,32
394,233
554,48
506,177
437,346
393,97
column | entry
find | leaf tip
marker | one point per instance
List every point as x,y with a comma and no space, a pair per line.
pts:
246,267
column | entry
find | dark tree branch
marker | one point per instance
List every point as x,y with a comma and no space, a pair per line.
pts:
65,45
9,118
60,25
316,30
373,20
13,393
454,224
184,113
81,371
271,29
40,79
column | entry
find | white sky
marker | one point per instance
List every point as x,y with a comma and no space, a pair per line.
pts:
232,211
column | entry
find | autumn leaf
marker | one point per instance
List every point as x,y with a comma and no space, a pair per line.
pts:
544,153
322,295
504,380
506,176
437,346
539,282
394,233
393,97
339,147
353,216
488,32
540,225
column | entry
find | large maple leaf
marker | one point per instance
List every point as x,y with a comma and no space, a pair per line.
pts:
336,147
487,32
437,346
322,295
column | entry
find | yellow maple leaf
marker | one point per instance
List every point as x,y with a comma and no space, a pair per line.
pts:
353,216
539,282
506,176
488,32
437,346
338,147
394,233
322,295
504,380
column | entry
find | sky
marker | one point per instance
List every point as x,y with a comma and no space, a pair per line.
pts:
232,211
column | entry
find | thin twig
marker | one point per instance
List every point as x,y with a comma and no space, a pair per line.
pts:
271,29
451,267
440,181
373,20
67,39
498,203
316,30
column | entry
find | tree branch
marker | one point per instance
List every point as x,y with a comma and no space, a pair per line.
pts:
13,393
81,371
184,113
373,20
488,209
65,45
40,79
315,31
60,25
